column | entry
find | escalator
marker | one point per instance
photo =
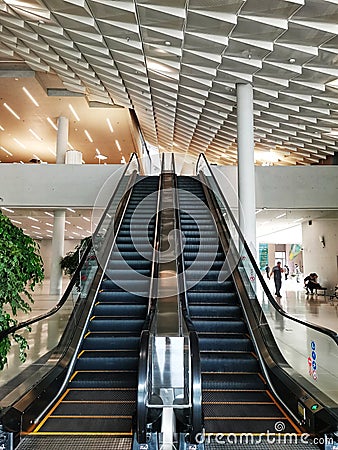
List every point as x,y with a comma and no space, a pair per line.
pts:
235,395
101,393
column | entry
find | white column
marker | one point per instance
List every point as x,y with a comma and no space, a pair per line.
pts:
57,252
62,140
246,164
55,287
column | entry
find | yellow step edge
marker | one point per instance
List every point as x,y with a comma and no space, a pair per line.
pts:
283,412
234,390
103,389
245,418
113,350
238,403
74,433
44,420
89,417
99,402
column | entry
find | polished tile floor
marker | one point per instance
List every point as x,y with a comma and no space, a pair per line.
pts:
311,308
294,340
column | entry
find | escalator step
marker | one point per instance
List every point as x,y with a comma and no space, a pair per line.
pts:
204,256
123,264
212,310
144,248
101,342
220,297
113,309
101,361
212,362
136,287
241,343
88,425
251,426
203,265
207,286
243,410
217,396
94,409
105,324
225,326
127,274
105,379
97,395
239,382
110,295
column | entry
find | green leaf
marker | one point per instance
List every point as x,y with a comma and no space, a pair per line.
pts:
21,268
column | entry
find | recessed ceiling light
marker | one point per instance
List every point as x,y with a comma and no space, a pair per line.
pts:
110,125
71,210
74,112
88,136
2,128
281,215
118,145
16,221
7,209
49,120
37,228
19,143
33,218
6,151
11,111
35,135
30,96
168,43
49,214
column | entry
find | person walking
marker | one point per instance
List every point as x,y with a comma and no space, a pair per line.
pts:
267,270
277,271
286,271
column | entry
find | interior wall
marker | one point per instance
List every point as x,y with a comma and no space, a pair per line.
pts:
317,258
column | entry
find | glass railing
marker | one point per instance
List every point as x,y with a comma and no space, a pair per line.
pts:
52,330
309,350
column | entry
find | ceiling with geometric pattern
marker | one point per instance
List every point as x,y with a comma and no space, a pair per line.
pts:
176,63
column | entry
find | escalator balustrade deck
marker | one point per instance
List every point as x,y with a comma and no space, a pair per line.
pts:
235,395
102,390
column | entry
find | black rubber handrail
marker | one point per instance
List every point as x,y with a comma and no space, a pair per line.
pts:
75,277
144,376
196,380
333,335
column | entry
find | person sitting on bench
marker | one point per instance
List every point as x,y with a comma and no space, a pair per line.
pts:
311,283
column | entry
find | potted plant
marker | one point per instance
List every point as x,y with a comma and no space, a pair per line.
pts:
71,260
21,268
